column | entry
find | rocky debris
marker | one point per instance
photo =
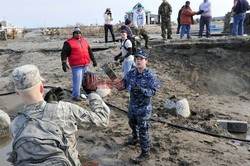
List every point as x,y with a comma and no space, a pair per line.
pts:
4,122
178,107
103,92
3,35
233,126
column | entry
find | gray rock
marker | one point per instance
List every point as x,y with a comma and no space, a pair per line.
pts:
4,122
103,92
180,107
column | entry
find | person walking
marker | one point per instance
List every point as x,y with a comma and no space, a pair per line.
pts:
240,14
205,18
79,55
142,85
126,55
139,22
164,14
108,26
186,20
44,131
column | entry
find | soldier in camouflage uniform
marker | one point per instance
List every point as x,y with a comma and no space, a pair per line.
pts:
164,13
142,85
68,117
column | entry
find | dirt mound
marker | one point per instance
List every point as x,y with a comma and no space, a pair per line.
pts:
212,67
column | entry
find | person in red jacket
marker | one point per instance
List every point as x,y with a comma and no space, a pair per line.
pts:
79,55
186,20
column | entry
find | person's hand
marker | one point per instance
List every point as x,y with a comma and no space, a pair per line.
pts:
65,66
116,58
137,89
94,64
89,83
121,59
55,94
199,12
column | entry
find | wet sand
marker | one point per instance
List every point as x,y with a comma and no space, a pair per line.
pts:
184,71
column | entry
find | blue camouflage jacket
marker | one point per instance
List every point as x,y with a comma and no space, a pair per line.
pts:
141,86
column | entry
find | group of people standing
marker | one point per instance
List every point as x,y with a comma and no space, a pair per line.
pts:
185,19
239,14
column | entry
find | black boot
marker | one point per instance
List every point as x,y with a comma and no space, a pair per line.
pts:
146,45
132,141
169,37
143,157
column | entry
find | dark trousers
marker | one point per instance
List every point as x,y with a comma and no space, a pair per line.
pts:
141,124
110,28
178,27
205,21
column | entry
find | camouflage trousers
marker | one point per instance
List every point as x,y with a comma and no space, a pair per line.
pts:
166,24
141,33
140,124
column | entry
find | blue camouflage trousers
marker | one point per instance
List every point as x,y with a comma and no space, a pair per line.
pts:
140,123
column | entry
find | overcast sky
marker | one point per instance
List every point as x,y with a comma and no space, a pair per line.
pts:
37,13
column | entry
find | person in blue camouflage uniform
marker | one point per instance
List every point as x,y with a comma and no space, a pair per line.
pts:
142,84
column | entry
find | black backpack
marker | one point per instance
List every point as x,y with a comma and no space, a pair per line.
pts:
133,46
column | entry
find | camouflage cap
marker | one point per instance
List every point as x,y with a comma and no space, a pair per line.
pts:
141,53
26,76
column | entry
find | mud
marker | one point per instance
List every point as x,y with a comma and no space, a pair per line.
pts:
213,74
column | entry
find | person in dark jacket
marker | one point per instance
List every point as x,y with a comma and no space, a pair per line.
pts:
179,20
240,13
79,55
130,35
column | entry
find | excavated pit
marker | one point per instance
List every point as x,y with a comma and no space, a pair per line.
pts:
218,67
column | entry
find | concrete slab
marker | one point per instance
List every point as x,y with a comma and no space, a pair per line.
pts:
233,126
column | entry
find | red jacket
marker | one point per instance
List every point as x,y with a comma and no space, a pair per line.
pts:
186,16
79,55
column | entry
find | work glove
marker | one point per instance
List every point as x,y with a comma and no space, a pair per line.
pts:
199,12
121,59
116,58
65,66
137,89
94,64
89,83
55,94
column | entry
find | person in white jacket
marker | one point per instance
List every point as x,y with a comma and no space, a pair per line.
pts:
108,25
205,19
139,21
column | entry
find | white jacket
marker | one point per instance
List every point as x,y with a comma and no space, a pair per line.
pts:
107,19
139,19
206,6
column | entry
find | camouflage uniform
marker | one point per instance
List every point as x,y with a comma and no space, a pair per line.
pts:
67,116
141,33
165,11
140,106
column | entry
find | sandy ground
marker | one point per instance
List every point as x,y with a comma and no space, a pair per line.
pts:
214,78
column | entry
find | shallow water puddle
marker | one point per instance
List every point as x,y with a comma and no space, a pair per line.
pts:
5,147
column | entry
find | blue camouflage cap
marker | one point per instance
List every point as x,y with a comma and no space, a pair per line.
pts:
139,5
142,54
26,76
